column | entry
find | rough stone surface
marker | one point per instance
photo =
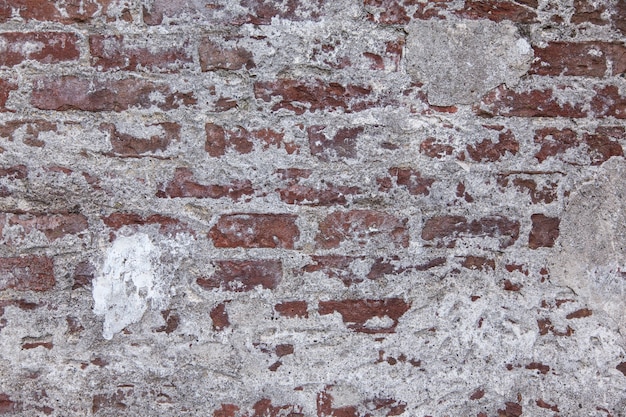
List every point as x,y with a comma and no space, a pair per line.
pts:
348,208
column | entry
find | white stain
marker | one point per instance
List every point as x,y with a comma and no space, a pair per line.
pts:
127,283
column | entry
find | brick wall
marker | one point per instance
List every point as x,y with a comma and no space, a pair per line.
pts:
312,208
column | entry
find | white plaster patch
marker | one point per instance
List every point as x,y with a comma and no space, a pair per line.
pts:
127,283
461,62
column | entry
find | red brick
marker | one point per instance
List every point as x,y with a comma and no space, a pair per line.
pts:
27,273
8,406
219,317
114,401
242,141
342,145
356,313
583,312
226,410
361,227
127,145
264,408
488,151
608,102
477,395
5,89
51,47
54,226
445,230
546,194
542,404
115,52
409,179
300,96
256,12
255,231
292,309
168,225
498,10
295,192
434,149
29,129
65,12
84,274
325,406
622,368
588,11
543,369
582,59
554,142
479,263
511,410
544,232
244,275
74,93
183,186
214,57
503,101
15,172
604,143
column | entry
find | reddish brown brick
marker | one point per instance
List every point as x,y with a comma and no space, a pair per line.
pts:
116,52
622,368
434,149
68,13
511,410
578,314
52,47
240,140
28,273
244,275
342,145
54,226
479,263
543,369
544,232
219,316
8,406
168,225
127,145
214,56
581,59
357,313
542,404
292,309
361,227
300,96
498,10
15,172
255,231
409,179
503,101
30,130
6,87
588,11
183,185
75,93
445,230
492,151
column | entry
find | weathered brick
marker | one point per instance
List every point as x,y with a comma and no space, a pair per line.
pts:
360,315
27,273
29,129
292,309
167,225
588,11
600,145
77,93
480,263
544,194
117,52
127,145
15,172
183,185
300,96
544,232
214,56
489,151
65,12
54,226
589,59
44,47
435,149
499,10
256,12
578,314
361,227
8,406
407,178
6,87
242,141
445,230
219,316
244,275
255,231
297,192
342,145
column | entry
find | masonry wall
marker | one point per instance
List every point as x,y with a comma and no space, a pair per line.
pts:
312,208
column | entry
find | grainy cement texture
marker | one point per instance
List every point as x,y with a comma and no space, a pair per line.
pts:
312,208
